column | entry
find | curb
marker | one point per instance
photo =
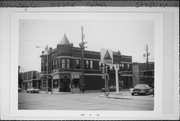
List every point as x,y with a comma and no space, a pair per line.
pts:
115,97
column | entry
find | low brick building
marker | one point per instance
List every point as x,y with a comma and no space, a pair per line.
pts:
142,75
31,79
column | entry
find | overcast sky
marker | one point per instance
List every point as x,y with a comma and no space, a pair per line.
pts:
130,37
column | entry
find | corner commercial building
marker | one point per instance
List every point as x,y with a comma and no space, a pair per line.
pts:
65,69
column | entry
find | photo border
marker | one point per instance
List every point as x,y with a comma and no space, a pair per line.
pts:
35,13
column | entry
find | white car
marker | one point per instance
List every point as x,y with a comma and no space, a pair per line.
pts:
141,89
33,90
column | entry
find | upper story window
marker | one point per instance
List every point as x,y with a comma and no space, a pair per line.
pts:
55,64
87,64
128,66
68,63
122,65
91,64
77,66
62,63
59,63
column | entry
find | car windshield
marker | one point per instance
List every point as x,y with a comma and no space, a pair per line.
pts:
141,86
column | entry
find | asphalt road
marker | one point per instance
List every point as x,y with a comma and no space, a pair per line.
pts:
84,101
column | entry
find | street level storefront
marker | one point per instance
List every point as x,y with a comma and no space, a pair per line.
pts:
63,66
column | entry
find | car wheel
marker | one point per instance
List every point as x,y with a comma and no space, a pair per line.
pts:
132,93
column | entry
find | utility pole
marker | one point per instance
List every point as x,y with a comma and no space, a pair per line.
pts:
82,45
19,76
47,77
147,54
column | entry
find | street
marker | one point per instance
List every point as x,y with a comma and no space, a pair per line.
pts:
84,101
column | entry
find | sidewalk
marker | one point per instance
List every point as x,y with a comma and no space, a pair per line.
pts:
125,94
56,92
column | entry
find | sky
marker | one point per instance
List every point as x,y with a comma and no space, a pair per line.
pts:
127,36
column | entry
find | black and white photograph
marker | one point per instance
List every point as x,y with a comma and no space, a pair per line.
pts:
100,64
85,63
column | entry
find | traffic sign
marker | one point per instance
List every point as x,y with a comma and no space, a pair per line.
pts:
107,56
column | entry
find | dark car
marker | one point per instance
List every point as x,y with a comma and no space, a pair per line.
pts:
141,89
152,91
110,89
19,89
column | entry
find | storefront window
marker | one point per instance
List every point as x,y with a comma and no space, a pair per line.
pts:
55,84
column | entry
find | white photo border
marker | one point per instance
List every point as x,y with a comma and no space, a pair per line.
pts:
72,13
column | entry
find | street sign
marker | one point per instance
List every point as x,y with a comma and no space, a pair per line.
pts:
107,56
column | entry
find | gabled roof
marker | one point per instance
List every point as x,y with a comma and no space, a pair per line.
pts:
64,40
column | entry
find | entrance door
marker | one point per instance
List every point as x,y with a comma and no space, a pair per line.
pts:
64,85
75,85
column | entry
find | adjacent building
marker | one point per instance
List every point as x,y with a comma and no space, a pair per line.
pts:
143,73
61,68
31,79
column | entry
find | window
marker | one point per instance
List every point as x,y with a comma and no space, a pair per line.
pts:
128,66
42,69
55,64
59,62
99,65
62,63
91,64
87,64
122,65
45,66
68,63
55,83
77,64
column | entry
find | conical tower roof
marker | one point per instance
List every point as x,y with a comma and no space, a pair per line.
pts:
64,40
107,56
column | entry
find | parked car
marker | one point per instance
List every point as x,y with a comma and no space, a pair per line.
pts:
111,89
19,89
141,89
152,91
32,90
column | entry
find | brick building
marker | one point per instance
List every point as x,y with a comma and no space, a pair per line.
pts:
143,76
65,71
30,79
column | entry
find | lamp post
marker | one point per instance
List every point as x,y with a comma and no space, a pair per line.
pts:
46,52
